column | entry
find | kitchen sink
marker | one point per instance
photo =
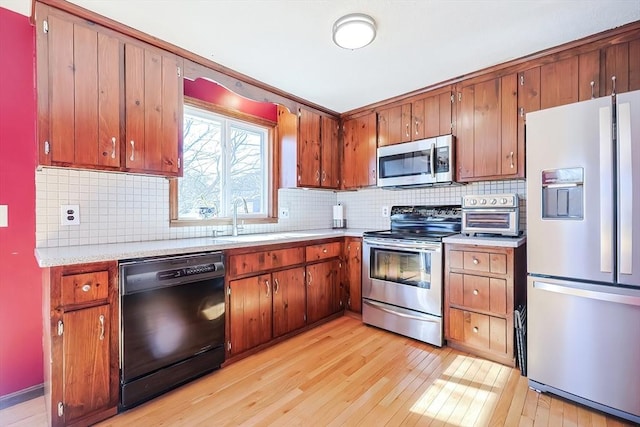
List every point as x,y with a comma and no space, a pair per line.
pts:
260,237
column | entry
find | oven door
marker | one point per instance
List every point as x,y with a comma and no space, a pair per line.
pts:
403,274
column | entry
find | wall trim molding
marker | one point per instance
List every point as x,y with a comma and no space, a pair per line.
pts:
21,396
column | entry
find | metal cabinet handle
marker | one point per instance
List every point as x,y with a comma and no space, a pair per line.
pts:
475,292
511,156
86,287
475,329
276,286
613,83
417,127
476,261
310,279
317,176
113,147
268,287
407,130
593,94
101,320
133,150
324,176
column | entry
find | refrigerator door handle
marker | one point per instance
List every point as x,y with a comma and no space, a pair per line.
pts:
606,186
587,293
626,189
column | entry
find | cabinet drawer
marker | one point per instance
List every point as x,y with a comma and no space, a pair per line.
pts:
478,330
476,261
83,288
476,293
265,260
324,251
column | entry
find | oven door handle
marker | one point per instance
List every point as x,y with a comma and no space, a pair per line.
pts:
382,307
377,245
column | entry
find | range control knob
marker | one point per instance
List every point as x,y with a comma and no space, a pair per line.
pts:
473,202
503,201
483,201
494,201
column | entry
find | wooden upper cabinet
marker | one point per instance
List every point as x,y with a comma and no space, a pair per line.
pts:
559,83
330,165
622,60
309,141
359,152
394,125
528,101
487,130
309,173
589,75
79,93
153,94
98,91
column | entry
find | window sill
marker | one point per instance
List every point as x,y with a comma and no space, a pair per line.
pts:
219,221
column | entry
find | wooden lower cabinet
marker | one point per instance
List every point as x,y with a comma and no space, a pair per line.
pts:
483,286
276,290
323,290
289,301
81,343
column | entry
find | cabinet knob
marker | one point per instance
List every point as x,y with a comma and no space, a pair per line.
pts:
475,329
475,292
476,261
86,288
324,250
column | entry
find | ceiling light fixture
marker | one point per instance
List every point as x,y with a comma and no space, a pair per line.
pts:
354,31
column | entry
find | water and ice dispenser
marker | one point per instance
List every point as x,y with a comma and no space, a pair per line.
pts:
562,194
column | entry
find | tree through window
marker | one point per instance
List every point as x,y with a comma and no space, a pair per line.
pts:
224,160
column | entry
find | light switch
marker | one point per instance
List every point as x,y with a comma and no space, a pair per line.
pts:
4,216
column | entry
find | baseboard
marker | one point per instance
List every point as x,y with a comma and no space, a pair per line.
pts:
21,396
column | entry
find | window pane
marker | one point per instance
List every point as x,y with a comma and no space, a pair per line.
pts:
246,158
224,160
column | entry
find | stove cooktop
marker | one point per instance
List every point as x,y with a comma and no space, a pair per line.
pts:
429,223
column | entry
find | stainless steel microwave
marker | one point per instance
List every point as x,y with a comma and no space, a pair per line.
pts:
419,163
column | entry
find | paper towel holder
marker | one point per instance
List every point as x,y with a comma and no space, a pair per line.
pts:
339,221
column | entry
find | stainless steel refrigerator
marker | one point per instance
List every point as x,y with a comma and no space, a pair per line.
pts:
583,246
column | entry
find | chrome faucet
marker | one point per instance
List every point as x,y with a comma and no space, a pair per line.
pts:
234,218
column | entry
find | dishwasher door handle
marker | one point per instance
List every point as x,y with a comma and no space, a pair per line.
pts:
589,293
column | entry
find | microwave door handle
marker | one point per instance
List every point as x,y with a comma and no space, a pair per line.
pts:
432,159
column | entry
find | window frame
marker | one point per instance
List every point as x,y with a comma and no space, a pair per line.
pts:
272,181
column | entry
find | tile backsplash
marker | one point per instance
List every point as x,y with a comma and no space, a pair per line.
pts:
118,208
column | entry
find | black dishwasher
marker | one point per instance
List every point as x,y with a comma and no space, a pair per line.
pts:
172,312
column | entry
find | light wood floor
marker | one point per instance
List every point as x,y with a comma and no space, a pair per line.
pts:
347,374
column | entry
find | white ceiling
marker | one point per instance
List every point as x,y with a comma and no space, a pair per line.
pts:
287,43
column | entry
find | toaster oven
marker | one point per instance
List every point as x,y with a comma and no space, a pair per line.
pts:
491,214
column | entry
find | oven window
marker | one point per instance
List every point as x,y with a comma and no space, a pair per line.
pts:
487,220
406,164
408,268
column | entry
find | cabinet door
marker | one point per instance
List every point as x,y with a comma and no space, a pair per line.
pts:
154,98
445,113
465,132
486,144
322,290
509,147
418,119
289,300
559,83
250,312
353,273
84,95
528,101
589,75
432,116
308,148
330,159
394,125
86,362
359,155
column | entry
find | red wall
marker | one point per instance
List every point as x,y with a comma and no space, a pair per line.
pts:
20,280
216,94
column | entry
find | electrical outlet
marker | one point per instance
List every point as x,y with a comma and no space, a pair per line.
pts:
70,214
284,213
385,211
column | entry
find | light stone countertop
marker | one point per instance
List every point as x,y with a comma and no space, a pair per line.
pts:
68,255
501,241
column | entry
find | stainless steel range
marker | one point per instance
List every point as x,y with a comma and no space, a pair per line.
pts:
402,271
